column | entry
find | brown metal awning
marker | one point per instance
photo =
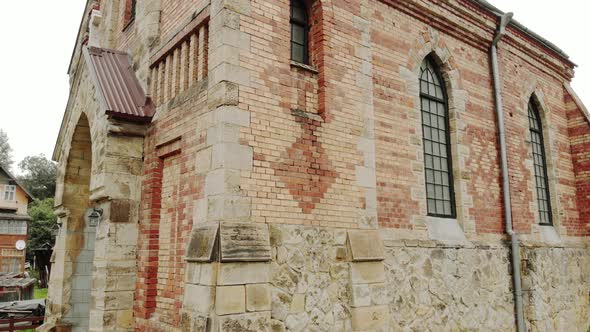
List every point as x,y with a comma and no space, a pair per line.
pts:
121,96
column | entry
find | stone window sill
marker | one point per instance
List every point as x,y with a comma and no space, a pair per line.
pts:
303,66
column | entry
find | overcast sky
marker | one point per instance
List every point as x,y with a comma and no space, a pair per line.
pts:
38,37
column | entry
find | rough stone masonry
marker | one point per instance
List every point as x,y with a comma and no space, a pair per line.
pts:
241,190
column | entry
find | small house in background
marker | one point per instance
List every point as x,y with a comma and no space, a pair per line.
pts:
16,287
14,200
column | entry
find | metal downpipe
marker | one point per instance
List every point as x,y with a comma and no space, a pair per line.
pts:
515,246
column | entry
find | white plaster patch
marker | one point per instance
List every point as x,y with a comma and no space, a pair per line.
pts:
445,230
549,235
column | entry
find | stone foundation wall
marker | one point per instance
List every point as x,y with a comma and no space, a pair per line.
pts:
556,283
448,288
420,285
309,279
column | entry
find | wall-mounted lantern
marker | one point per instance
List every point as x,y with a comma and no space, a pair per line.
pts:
94,217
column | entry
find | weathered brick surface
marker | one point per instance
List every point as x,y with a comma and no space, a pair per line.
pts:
170,187
242,134
579,136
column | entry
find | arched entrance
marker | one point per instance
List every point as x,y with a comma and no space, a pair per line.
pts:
100,156
75,243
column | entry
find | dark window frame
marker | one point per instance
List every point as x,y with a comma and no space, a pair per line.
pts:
439,98
301,23
132,14
129,15
538,143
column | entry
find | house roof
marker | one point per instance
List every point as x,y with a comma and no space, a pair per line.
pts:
13,178
120,94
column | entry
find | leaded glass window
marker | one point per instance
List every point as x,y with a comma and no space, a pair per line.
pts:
299,32
540,165
437,153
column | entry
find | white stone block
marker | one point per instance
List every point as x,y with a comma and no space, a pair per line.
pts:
365,177
243,273
198,298
232,156
230,300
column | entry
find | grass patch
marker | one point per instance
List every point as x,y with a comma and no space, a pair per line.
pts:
40,293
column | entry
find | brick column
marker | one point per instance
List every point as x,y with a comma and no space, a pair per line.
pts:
227,258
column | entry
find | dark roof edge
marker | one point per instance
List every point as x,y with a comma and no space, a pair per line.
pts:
494,10
78,36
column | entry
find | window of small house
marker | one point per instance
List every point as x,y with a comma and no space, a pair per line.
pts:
9,192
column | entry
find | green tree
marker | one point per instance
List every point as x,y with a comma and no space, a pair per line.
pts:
43,222
38,176
5,151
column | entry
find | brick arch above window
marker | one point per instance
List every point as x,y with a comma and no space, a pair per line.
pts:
534,97
432,45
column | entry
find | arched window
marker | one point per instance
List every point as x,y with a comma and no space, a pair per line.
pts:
299,32
440,196
540,165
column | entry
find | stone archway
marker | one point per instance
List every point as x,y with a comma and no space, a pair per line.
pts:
70,283
100,156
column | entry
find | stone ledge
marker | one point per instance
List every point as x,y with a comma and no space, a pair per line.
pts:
203,242
244,242
365,245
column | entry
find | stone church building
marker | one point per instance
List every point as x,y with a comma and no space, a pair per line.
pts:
319,165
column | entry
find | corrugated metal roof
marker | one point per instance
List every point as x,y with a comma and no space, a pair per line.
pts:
119,90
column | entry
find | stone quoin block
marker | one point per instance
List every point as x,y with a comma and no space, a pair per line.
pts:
258,297
230,300
365,245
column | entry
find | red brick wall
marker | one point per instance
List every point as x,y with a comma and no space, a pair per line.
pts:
170,187
175,14
398,126
397,35
522,81
579,133
305,128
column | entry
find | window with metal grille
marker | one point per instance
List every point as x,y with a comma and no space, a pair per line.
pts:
435,132
540,165
299,32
